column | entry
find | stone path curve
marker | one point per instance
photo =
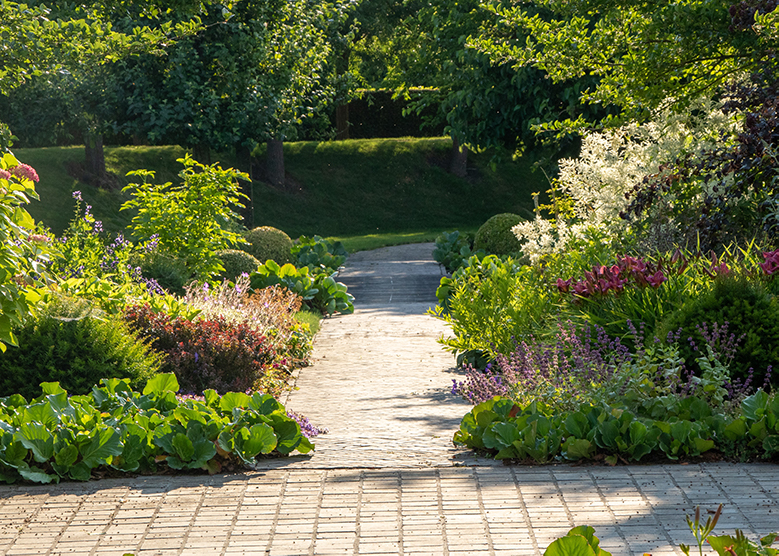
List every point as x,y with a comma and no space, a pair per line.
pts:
386,479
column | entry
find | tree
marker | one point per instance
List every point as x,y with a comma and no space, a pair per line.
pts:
72,46
645,54
253,72
483,104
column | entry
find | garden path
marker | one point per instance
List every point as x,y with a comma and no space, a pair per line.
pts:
385,480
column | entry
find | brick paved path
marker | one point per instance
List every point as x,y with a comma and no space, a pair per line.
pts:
386,479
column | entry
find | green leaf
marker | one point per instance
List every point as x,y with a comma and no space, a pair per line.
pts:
259,439
753,407
183,447
771,445
577,424
161,383
737,429
40,413
578,448
231,400
720,543
37,438
66,456
212,398
265,403
570,546
104,443
36,475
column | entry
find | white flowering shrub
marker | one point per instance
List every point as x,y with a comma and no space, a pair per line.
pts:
612,162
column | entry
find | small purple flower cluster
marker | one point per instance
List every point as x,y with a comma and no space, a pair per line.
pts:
574,361
308,430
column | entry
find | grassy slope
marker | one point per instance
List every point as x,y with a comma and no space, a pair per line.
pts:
391,190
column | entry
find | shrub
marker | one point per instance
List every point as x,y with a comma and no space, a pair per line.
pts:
191,221
750,313
453,249
169,272
318,254
208,353
319,292
235,263
268,243
269,311
495,235
76,345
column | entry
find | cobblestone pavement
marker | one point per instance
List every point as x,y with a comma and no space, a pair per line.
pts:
385,480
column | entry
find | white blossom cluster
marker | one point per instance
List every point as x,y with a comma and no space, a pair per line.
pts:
611,163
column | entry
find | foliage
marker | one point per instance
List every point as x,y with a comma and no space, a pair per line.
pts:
59,437
696,47
191,221
583,367
727,193
490,304
209,353
22,254
235,263
495,235
84,252
582,540
589,193
270,311
319,292
169,272
268,243
318,254
751,315
542,433
75,344
453,250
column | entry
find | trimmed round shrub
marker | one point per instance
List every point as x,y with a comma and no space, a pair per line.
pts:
76,345
170,273
236,262
748,310
495,235
268,243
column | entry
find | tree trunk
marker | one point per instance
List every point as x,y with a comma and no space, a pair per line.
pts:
458,165
202,154
245,157
94,156
274,163
341,122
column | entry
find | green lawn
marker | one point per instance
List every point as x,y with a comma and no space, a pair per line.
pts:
367,193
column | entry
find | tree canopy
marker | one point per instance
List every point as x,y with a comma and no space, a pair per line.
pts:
644,54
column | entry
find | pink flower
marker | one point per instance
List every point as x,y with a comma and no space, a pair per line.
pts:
656,279
4,174
563,285
771,264
39,238
24,171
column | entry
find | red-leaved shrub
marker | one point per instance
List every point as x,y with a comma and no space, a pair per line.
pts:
206,353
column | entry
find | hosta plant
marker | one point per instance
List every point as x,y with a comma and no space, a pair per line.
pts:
55,437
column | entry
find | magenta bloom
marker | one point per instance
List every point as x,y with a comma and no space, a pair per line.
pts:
25,171
4,174
656,279
563,285
771,264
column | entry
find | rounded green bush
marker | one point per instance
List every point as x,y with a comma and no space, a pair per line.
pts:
170,273
236,262
75,345
495,235
748,310
268,243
